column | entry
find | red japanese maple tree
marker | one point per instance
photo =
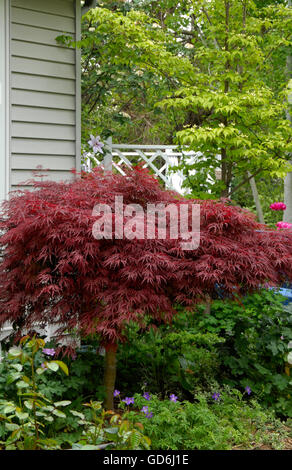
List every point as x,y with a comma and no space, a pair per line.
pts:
55,271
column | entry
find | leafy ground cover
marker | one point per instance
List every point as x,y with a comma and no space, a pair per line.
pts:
196,386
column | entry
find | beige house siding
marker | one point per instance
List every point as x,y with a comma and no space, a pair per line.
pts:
44,90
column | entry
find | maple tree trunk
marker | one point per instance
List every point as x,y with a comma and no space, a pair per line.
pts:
110,375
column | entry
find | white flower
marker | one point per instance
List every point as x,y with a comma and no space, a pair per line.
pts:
96,144
188,45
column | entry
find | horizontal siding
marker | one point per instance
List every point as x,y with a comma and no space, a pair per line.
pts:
23,81
30,162
22,177
42,115
42,131
42,146
35,34
54,7
31,50
19,187
42,99
42,67
43,90
43,20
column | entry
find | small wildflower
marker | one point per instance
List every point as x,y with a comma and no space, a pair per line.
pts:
216,396
149,415
116,393
146,396
49,352
128,400
173,398
145,410
248,390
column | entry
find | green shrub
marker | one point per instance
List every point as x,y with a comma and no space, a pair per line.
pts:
32,421
168,358
23,421
257,331
209,424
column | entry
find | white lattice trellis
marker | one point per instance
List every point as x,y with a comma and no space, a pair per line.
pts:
159,158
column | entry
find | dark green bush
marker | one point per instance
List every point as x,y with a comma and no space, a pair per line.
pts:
257,331
209,424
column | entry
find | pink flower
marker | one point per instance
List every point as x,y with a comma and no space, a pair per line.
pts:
278,206
49,352
283,225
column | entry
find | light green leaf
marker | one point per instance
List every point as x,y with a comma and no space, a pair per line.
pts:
14,352
62,366
21,415
59,413
62,403
76,413
53,366
11,426
50,419
12,377
9,408
28,405
18,367
22,384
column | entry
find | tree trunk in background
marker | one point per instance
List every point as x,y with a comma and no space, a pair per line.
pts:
288,180
288,198
256,199
110,375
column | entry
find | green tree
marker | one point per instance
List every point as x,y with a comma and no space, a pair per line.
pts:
238,116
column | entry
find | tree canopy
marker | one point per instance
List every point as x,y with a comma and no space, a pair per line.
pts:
206,74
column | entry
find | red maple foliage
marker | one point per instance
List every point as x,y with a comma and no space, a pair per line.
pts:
55,271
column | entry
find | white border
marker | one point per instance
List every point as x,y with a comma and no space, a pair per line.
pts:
4,99
78,88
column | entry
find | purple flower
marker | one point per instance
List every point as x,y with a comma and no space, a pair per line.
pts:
146,396
248,390
95,143
129,400
116,393
49,352
173,398
216,396
145,410
149,415
43,365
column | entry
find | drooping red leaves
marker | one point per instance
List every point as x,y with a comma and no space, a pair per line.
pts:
55,271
